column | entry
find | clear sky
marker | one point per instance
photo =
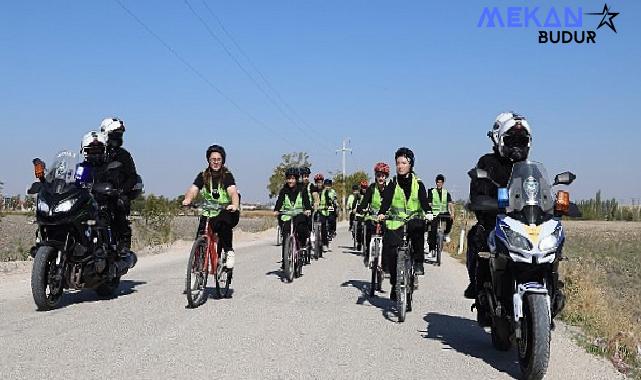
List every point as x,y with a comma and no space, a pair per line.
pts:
383,73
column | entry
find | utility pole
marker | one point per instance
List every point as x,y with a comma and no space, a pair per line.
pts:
344,150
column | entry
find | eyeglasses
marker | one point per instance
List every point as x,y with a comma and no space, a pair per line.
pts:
215,160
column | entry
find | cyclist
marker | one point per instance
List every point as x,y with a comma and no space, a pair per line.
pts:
372,202
351,204
332,206
293,197
217,187
405,196
441,202
363,184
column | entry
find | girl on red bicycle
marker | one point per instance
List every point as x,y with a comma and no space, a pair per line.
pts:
217,187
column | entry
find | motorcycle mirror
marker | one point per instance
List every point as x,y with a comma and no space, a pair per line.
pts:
39,168
564,178
35,188
114,165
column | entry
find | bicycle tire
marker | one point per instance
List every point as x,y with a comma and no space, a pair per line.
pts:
401,286
439,249
197,273
288,258
223,278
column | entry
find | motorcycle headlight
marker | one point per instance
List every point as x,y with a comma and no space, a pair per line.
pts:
517,240
64,206
548,243
43,206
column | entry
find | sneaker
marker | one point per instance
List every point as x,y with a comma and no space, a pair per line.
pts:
447,238
470,292
230,259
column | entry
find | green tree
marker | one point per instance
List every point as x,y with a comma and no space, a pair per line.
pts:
277,179
344,187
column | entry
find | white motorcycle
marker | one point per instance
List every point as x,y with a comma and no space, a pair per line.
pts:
517,297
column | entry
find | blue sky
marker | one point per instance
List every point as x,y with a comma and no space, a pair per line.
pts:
385,74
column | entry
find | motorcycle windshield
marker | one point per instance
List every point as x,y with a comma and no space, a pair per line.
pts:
61,174
530,189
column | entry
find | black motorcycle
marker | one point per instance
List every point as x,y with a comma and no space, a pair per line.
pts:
75,247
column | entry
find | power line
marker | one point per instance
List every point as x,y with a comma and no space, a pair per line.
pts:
249,75
201,76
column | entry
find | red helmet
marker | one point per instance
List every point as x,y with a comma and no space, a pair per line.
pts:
319,177
364,184
381,167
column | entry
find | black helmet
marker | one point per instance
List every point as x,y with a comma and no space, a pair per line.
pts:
354,187
440,177
327,181
292,171
407,153
305,170
216,148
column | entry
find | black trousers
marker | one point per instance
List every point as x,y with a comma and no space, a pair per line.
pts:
223,224
121,225
370,228
392,239
324,229
431,236
331,221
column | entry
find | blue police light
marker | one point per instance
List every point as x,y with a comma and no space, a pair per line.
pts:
503,197
83,174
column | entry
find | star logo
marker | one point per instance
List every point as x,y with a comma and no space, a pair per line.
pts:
607,17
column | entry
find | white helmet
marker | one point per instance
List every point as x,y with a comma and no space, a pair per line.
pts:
512,136
93,146
111,124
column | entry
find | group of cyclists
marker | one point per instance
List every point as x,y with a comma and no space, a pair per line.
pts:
390,201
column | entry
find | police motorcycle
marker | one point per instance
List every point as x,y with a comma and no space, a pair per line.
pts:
75,247
517,297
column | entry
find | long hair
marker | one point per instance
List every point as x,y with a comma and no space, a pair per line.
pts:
209,174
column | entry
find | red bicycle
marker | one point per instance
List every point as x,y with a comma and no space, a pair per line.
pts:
207,257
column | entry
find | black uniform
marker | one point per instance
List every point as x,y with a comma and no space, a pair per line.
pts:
226,220
123,178
499,169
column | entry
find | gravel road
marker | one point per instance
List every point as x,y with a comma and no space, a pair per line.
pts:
321,326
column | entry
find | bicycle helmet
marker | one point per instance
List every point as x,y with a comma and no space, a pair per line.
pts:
216,148
381,167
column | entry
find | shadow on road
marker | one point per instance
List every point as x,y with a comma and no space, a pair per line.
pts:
380,301
88,295
465,336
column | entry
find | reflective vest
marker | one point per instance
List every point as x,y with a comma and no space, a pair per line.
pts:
375,204
402,207
210,201
439,203
323,206
288,206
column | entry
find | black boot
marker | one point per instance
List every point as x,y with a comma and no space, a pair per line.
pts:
470,292
392,294
419,268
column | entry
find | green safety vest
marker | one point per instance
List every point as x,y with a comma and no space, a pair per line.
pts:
323,206
207,194
403,207
375,204
439,203
350,200
288,206
309,194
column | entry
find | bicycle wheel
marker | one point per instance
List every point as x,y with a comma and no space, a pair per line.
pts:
197,272
288,258
223,278
373,263
299,257
401,286
439,248
411,278
279,237
318,249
